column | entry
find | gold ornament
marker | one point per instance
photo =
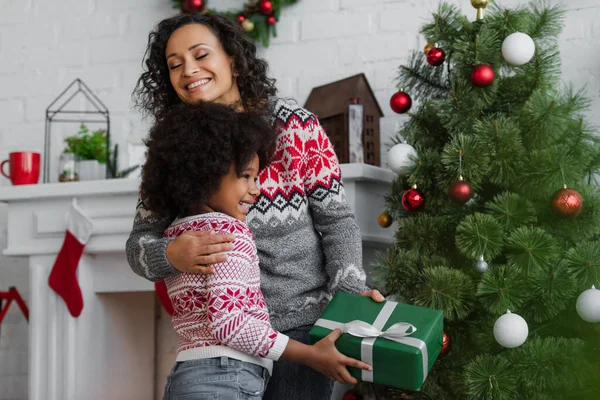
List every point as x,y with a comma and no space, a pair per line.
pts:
427,48
248,25
384,220
479,5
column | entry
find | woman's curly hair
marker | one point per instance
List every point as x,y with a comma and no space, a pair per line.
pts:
193,147
154,93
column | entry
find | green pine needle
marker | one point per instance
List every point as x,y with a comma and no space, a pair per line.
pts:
502,288
446,289
479,234
531,248
474,165
501,138
491,378
552,289
583,261
511,210
550,364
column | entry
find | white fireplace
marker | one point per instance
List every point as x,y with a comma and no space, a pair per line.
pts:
109,352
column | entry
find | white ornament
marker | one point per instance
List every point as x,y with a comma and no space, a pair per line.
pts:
481,265
518,48
510,330
588,305
400,158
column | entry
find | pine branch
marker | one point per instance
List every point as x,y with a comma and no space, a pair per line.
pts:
502,288
474,165
583,261
448,290
479,234
552,289
550,365
491,378
420,80
531,249
448,24
511,211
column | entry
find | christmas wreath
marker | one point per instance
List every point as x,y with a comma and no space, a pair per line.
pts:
258,18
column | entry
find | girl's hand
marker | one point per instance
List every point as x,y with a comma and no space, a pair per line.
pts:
374,294
325,358
194,251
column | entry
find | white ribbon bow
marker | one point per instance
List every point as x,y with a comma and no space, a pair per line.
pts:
395,332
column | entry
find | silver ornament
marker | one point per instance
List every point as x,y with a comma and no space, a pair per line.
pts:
481,265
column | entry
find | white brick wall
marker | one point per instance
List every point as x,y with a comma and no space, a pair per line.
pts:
44,45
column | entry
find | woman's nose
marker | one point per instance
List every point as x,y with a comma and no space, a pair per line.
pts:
190,69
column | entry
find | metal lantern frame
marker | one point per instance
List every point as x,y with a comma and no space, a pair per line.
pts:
57,112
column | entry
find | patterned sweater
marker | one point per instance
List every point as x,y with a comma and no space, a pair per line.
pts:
223,314
308,242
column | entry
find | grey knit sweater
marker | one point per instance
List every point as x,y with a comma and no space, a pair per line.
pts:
307,238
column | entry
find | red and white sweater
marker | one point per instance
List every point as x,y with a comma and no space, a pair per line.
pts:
223,314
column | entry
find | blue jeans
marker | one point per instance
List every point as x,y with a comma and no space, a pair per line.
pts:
220,378
292,381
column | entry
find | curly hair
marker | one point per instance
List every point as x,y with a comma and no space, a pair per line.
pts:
193,147
155,95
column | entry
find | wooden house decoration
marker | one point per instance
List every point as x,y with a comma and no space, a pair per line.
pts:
335,106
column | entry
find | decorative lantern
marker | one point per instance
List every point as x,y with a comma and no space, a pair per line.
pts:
89,109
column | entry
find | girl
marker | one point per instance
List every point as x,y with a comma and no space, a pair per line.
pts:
307,238
203,163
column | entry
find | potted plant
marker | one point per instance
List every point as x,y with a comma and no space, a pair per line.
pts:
90,148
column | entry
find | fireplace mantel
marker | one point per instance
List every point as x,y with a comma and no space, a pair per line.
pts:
108,352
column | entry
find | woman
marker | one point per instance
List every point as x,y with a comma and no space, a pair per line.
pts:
308,242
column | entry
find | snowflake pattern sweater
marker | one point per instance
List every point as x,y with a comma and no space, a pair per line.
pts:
308,242
223,314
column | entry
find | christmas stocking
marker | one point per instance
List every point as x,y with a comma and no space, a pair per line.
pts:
163,296
63,277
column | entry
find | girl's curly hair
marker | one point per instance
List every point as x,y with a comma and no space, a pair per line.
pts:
153,93
193,147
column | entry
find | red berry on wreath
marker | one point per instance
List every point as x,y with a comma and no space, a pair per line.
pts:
241,18
265,7
271,20
193,6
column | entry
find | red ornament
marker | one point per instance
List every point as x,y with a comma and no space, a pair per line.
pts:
352,395
445,345
193,6
241,18
482,75
400,102
460,191
436,57
271,20
413,200
567,203
265,7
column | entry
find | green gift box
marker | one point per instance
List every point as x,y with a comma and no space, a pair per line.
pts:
400,341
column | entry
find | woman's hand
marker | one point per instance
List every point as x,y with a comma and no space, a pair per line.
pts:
374,294
325,358
194,251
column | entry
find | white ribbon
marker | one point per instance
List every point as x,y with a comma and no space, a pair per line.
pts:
398,332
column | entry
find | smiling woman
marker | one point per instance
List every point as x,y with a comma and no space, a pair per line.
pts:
199,69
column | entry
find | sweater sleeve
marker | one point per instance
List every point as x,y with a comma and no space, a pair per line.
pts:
332,215
233,285
146,248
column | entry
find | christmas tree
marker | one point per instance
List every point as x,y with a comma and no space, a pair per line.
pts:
498,208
